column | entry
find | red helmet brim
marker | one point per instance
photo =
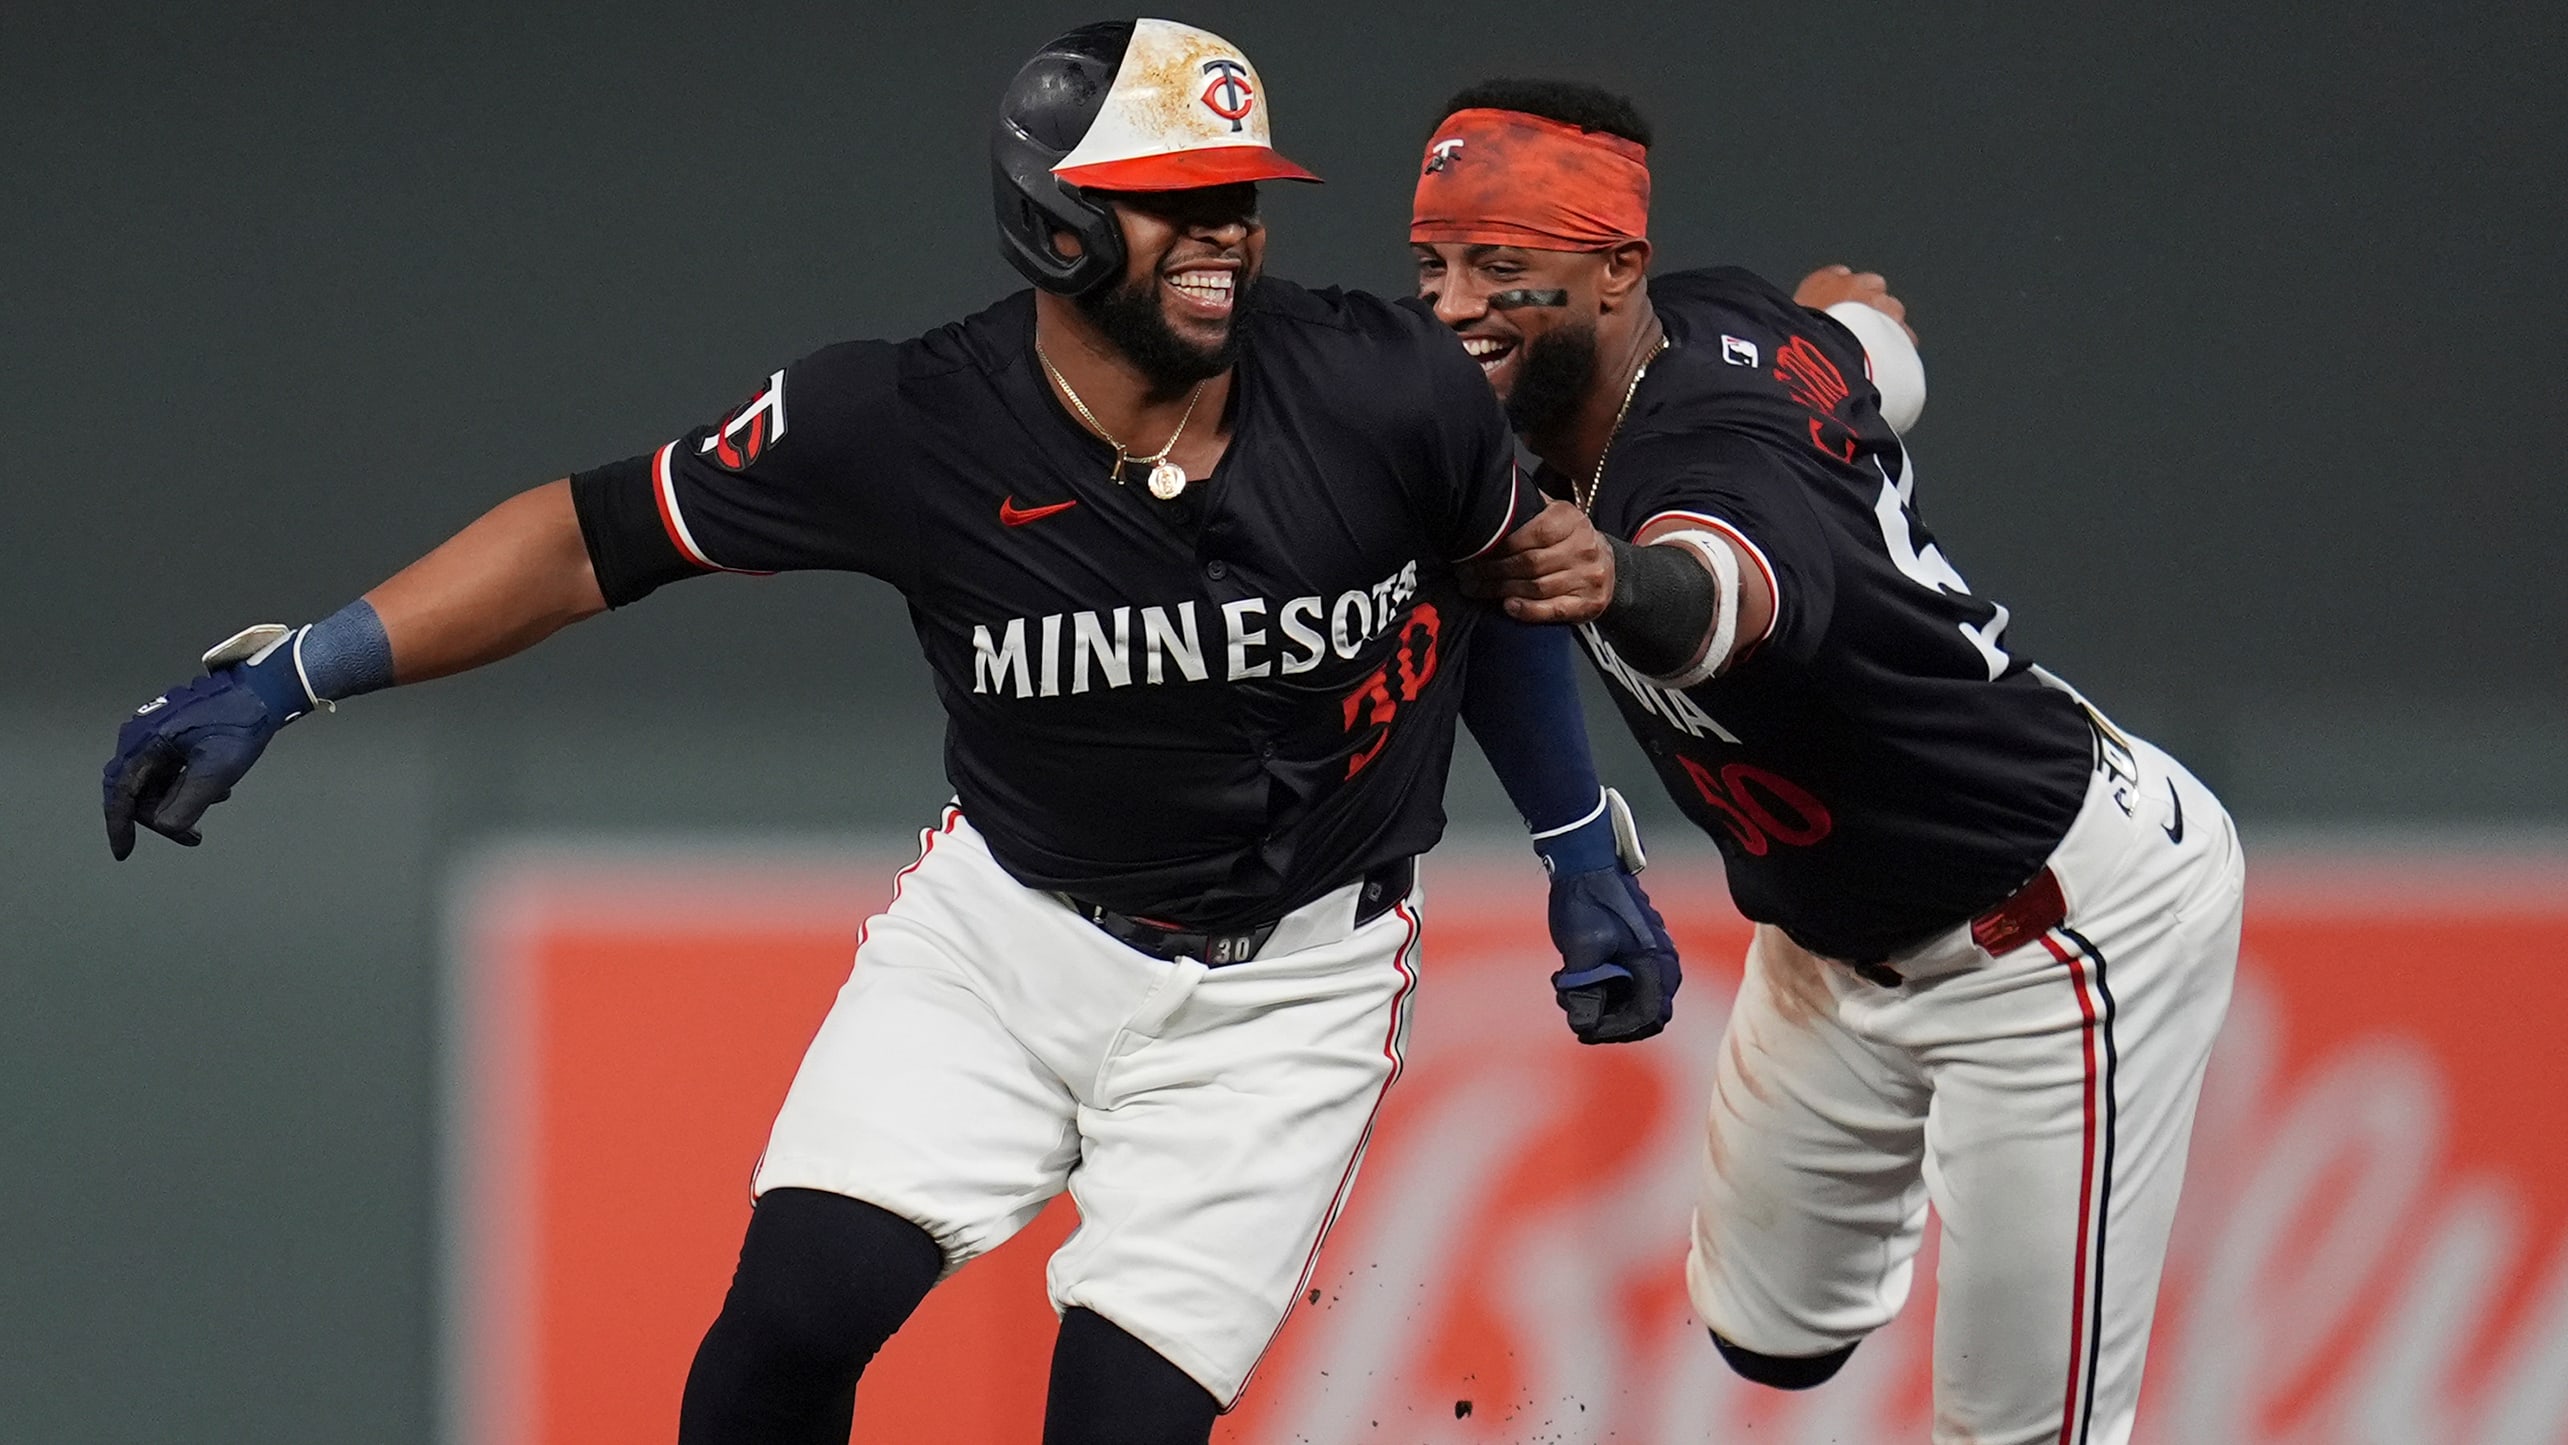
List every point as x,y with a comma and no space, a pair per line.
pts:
1187,170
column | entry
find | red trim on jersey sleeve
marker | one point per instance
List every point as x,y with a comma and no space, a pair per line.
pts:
664,489
666,494
1507,523
1756,554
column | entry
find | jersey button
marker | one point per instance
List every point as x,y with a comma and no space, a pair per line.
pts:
1266,750
1217,569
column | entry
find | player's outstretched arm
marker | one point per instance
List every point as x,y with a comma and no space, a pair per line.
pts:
1619,974
514,577
517,575
1677,604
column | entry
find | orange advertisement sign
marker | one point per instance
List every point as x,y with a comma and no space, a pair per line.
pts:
2373,1244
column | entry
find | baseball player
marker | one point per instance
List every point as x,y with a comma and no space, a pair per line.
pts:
1179,544
1995,934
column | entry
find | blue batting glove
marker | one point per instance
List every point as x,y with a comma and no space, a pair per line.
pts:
1619,972
180,753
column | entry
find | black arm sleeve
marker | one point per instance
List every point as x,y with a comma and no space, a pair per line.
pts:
1720,481
1662,607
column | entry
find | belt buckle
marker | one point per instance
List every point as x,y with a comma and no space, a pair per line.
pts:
1222,948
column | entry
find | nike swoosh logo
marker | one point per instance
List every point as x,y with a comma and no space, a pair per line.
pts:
1016,516
2175,831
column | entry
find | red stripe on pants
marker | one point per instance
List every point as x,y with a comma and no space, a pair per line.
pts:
2078,1351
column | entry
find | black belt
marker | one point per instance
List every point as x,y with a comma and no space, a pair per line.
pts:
2025,915
1383,888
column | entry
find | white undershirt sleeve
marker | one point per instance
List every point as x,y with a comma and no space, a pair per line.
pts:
1897,371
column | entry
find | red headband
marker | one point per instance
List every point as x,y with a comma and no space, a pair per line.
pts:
1505,178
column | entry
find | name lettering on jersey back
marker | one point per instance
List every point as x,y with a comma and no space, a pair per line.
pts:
1674,707
1927,567
1076,652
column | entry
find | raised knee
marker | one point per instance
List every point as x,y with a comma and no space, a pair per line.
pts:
823,1281
787,1319
1782,1372
826,1278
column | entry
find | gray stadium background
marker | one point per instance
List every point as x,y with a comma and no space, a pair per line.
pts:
2244,329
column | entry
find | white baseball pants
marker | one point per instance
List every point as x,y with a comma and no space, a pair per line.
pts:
2041,1098
992,1048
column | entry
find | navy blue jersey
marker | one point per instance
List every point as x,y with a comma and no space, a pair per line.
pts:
1206,711
1883,765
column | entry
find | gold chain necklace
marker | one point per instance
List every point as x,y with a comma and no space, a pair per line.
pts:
1167,479
1586,498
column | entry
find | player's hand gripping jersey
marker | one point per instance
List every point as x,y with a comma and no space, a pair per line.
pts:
1273,660
1883,763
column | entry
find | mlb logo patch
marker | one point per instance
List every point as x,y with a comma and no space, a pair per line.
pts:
1738,352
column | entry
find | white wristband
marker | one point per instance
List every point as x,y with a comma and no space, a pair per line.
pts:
1716,554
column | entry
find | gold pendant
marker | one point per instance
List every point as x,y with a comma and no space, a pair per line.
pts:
1167,480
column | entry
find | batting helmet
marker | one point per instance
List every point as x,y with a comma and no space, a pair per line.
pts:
1128,105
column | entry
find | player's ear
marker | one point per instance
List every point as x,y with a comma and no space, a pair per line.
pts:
1067,244
1627,265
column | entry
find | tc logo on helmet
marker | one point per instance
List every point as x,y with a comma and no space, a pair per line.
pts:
1229,95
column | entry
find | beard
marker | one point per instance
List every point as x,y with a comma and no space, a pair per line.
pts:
1555,375
1128,314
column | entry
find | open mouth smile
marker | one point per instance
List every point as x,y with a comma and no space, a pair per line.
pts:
1491,352
1203,291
